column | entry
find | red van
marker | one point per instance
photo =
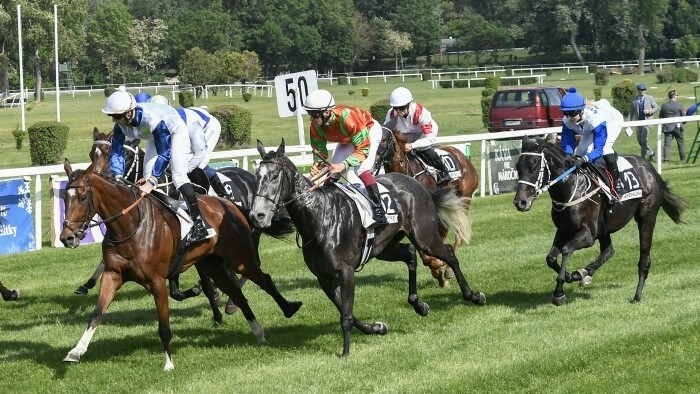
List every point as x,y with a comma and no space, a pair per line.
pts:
525,107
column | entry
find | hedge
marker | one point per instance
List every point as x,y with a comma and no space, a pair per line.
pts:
47,141
236,125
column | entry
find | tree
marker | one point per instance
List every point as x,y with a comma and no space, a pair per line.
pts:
197,67
648,14
148,43
418,19
399,42
476,34
108,39
204,28
687,47
361,43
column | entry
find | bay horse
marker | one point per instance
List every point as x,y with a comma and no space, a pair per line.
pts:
331,231
393,158
142,240
242,185
582,213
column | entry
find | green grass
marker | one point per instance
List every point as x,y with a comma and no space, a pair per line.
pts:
517,342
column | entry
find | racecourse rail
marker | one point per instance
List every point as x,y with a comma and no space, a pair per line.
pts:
301,154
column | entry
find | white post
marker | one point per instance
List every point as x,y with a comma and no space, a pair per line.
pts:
21,67
37,212
300,120
55,44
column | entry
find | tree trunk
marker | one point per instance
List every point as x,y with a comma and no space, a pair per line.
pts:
642,47
37,77
572,39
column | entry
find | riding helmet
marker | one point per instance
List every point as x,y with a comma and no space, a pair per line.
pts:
572,101
400,97
119,102
319,100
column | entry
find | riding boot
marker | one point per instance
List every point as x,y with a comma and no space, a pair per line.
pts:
379,215
443,174
199,230
611,164
219,187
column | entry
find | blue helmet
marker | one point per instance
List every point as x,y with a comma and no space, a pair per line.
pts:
572,101
142,97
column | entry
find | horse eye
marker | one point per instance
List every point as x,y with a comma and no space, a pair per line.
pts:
83,198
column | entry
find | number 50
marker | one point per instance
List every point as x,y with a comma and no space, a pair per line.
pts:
302,88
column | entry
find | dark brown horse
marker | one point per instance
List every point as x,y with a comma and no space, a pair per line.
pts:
582,213
142,240
393,157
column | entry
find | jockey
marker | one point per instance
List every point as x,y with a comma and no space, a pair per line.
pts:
415,122
167,143
357,135
202,128
142,97
598,124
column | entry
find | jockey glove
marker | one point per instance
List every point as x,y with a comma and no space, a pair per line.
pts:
579,161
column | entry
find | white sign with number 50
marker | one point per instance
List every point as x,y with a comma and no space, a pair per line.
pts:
292,89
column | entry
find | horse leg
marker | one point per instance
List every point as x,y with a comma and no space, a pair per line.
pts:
583,239
553,255
212,295
111,282
445,253
84,288
646,233
217,271
343,296
436,269
160,296
7,294
583,276
407,254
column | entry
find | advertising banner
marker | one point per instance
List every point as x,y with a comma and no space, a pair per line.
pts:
58,188
16,221
502,175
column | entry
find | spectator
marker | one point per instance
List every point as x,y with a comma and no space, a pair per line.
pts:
643,107
671,109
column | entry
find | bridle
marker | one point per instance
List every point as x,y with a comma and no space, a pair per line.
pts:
88,221
134,163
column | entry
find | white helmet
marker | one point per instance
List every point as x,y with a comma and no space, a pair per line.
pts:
319,100
119,102
400,97
158,99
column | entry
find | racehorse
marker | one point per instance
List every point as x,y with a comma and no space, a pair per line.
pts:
392,156
243,183
582,213
7,294
142,240
332,234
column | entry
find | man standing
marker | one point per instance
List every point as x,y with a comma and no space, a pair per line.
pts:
671,109
643,107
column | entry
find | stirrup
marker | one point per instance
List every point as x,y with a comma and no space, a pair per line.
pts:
379,218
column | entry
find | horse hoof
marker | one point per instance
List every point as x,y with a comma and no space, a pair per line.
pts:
380,328
82,290
72,358
231,308
449,274
559,301
423,309
479,299
585,281
444,284
292,309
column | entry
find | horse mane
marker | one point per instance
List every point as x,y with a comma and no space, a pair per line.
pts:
400,137
542,145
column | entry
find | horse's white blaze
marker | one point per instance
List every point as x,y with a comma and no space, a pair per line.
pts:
262,170
98,152
82,345
70,192
169,366
257,331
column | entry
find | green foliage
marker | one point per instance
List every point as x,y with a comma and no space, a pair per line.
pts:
687,47
548,72
597,93
426,75
365,92
493,82
679,75
236,125
342,80
592,68
198,68
247,96
351,92
47,141
602,78
19,135
678,63
486,98
186,98
109,90
379,109
622,95
109,45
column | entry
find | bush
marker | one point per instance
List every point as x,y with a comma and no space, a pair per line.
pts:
622,94
602,78
342,80
19,137
597,93
592,68
486,97
109,90
365,92
679,63
236,124
379,109
680,75
493,82
351,92
247,96
548,72
186,98
47,141
426,75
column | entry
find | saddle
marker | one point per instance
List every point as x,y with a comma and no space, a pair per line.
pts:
605,179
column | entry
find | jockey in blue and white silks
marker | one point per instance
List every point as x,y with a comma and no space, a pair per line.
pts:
167,143
598,124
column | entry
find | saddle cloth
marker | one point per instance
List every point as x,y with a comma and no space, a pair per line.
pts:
628,177
357,192
454,172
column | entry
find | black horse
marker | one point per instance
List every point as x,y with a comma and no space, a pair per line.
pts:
332,233
583,214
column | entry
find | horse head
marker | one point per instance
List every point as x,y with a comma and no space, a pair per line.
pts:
79,206
101,150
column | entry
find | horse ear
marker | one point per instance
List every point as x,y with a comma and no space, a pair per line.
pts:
261,149
67,167
110,135
280,150
95,133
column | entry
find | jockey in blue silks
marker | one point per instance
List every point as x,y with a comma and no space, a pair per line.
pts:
598,124
167,143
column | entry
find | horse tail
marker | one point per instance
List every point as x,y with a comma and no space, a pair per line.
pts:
279,228
452,214
672,204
